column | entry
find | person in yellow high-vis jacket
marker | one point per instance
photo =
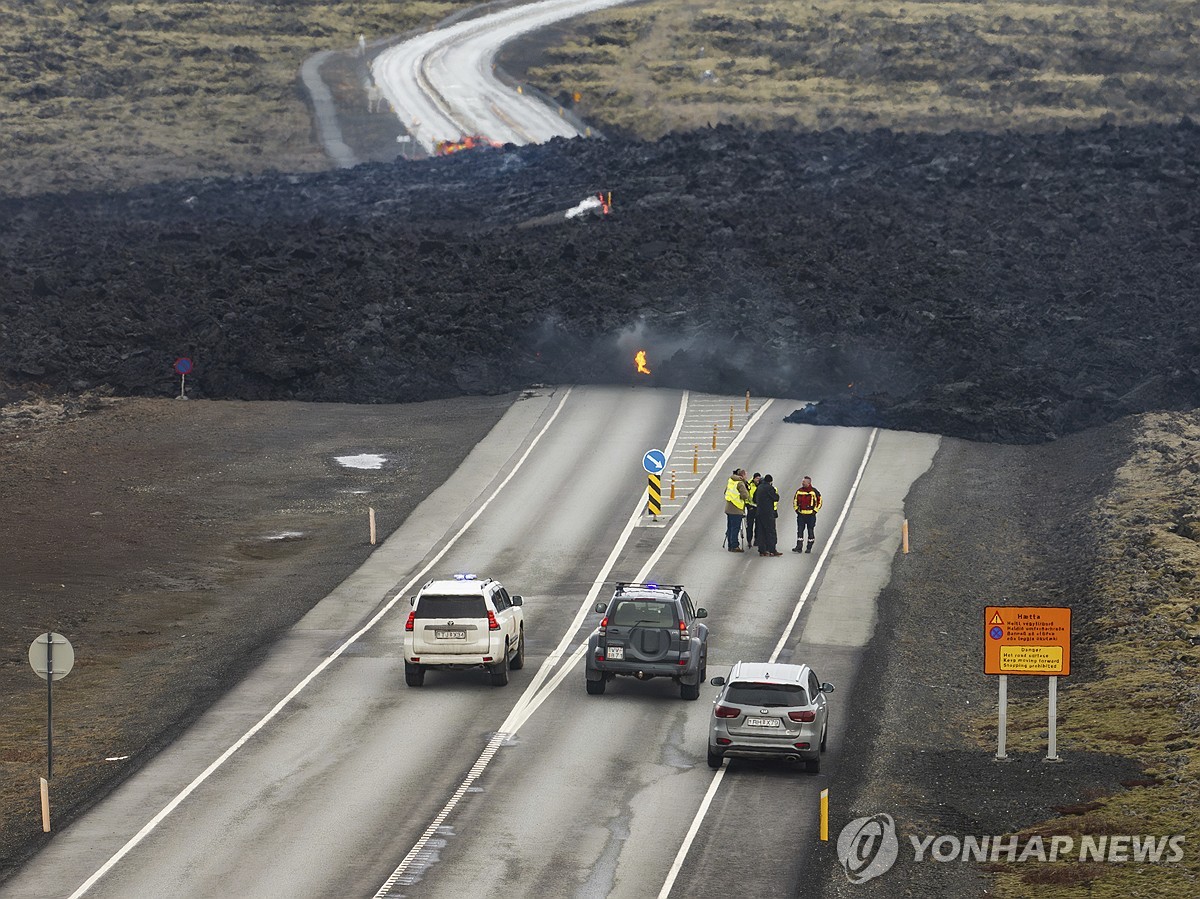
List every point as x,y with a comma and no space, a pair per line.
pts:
737,494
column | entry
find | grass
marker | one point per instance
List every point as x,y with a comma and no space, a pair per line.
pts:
112,94
905,66
1146,702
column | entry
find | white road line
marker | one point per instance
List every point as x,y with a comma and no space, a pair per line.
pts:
812,578
693,830
680,856
536,694
325,663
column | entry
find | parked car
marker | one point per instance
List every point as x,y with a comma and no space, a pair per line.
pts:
771,711
649,630
464,622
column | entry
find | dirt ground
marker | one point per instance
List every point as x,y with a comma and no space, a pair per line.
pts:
169,541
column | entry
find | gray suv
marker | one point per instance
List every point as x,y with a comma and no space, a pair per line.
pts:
770,711
649,630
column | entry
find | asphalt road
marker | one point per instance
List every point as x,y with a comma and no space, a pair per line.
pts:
323,774
442,88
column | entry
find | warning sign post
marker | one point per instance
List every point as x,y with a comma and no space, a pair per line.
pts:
1027,640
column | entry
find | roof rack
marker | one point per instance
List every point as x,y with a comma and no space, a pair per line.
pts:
650,585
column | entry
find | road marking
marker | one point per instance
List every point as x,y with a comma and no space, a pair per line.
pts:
542,685
693,830
681,855
325,663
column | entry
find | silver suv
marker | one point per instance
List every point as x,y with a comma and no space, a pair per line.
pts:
649,630
464,622
771,711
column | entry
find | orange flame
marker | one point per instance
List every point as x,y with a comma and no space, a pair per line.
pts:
640,359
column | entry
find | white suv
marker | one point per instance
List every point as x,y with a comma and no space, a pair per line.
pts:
464,622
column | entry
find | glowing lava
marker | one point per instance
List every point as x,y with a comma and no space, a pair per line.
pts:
640,359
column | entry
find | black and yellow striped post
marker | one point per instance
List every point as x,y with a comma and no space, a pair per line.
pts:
654,495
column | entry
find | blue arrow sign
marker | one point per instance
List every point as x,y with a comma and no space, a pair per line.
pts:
654,461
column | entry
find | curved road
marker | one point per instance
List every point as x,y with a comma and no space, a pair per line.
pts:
323,774
441,85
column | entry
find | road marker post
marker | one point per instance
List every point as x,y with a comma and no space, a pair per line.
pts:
904,536
714,435
731,418
672,484
371,516
747,400
654,495
825,815
695,458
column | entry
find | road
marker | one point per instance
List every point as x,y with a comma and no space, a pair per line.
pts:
442,88
323,774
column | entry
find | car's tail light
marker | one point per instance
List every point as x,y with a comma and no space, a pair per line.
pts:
724,741
603,625
803,716
726,711
801,745
493,624
408,625
683,632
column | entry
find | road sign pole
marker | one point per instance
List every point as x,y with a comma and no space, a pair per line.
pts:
1052,752
50,706
1003,729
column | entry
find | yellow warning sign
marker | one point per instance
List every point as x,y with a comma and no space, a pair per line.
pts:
1027,640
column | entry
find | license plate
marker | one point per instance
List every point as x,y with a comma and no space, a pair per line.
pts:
615,652
762,722
450,635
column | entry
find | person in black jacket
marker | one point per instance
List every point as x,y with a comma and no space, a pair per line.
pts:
765,499
751,511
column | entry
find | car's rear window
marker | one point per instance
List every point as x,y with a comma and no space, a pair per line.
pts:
643,613
457,607
767,695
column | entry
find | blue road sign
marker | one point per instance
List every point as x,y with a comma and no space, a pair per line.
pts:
183,365
996,633
654,461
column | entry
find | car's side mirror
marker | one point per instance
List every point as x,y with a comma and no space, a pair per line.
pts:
601,607
826,687
717,681
412,600
517,600
702,613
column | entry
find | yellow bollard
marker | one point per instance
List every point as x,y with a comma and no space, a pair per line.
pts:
695,458
747,400
825,814
672,483
904,536
45,805
714,435
731,418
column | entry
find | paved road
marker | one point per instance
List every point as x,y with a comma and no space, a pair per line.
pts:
323,774
442,88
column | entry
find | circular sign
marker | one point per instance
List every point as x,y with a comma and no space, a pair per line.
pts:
996,632
183,365
654,461
52,653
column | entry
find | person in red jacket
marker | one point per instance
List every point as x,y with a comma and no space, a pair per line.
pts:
807,503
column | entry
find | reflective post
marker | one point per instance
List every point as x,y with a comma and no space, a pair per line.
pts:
731,418
695,458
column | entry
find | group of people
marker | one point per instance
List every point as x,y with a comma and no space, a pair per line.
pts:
755,500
